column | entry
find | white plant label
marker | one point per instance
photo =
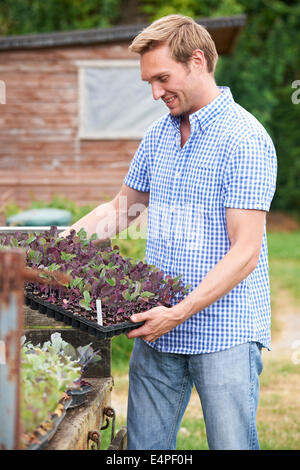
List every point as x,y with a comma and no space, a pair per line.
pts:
99,312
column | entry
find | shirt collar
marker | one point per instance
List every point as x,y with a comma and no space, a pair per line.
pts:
209,113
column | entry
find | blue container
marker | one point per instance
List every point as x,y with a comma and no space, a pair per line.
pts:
40,217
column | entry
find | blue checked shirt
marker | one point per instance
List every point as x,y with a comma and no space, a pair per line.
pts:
228,161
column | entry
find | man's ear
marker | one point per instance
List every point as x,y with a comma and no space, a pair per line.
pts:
198,59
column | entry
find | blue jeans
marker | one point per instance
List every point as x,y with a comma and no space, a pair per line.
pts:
160,386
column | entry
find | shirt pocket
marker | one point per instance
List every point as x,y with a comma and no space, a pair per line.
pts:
203,185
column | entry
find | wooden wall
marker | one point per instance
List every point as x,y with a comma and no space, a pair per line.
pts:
40,153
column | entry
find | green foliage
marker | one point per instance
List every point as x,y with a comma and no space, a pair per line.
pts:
39,16
83,355
129,247
86,301
45,375
193,8
47,371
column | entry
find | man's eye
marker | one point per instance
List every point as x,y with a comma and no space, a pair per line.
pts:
163,79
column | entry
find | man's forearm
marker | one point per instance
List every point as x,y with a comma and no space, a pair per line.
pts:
236,265
105,220
113,217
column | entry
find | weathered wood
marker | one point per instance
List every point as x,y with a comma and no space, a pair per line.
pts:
38,66
18,94
102,150
62,177
53,80
50,121
35,318
120,440
34,109
72,434
98,51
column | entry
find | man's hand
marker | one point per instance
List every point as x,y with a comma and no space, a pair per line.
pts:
158,321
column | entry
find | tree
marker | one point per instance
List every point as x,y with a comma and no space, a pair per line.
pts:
39,16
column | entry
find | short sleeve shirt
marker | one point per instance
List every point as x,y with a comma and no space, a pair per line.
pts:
229,161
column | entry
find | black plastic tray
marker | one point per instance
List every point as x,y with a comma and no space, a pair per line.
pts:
78,321
45,439
79,395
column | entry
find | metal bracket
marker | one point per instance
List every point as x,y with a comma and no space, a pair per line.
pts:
110,413
95,437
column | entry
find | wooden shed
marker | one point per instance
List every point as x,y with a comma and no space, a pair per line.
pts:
58,128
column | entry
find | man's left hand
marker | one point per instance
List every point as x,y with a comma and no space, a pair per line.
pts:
158,321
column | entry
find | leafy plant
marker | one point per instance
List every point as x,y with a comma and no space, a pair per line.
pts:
84,355
45,375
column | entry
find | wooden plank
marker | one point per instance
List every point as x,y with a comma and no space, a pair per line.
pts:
86,162
44,135
28,121
72,434
32,147
34,318
19,94
109,146
34,66
49,163
100,150
120,440
62,177
51,80
73,162
34,109
97,51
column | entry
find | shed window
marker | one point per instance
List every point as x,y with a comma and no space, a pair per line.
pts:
114,101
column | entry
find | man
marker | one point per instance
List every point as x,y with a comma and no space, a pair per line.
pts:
207,172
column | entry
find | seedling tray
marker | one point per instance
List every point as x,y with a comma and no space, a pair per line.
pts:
78,321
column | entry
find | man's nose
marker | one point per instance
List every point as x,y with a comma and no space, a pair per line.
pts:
157,91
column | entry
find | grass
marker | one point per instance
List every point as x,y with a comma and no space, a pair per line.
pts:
278,413
284,246
284,262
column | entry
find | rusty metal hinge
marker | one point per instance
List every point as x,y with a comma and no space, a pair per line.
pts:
95,437
109,413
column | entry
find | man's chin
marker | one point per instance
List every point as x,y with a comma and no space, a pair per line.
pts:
174,112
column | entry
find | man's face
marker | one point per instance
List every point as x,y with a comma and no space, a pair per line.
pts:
175,83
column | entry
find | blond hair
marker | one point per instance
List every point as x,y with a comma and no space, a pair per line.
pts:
182,34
